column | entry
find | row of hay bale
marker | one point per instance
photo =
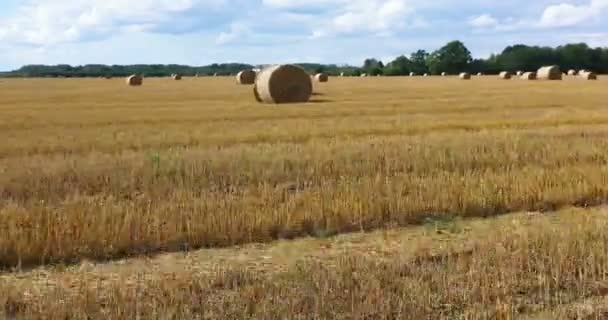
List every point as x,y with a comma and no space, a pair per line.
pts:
549,73
291,84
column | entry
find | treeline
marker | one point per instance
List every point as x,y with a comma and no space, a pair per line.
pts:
452,58
98,70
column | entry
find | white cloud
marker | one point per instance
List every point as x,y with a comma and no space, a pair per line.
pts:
565,14
365,16
47,22
483,21
237,31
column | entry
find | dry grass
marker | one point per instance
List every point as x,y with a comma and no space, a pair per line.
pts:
96,170
523,265
90,169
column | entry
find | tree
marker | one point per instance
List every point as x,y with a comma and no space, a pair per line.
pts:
373,67
398,67
452,58
418,62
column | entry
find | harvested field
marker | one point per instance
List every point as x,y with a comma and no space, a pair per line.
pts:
93,170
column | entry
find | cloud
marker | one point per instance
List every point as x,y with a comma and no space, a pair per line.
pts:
45,22
483,21
364,16
565,14
236,32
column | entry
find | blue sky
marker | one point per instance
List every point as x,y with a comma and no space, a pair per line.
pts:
199,32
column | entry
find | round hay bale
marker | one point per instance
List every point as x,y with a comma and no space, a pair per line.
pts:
588,75
443,74
283,84
246,77
425,75
465,76
363,75
412,74
108,77
572,72
321,77
341,74
549,73
519,73
135,80
177,77
505,75
479,74
529,76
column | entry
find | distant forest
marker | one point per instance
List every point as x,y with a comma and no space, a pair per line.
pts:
452,58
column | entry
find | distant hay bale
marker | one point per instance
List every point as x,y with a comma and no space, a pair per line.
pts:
177,77
549,73
363,75
215,74
465,76
479,74
505,75
283,84
135,80
108,77
246,77
321,77
519,73
529,76
425,75
588,75
341,74
412,74
443,74
572,72
197,75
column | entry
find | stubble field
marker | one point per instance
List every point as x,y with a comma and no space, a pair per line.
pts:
105,190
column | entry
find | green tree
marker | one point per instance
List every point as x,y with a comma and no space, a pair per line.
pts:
452,58
373,67
418,62
398,67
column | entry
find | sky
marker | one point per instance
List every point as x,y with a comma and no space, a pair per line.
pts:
200,32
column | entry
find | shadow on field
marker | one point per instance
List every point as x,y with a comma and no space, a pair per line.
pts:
320,101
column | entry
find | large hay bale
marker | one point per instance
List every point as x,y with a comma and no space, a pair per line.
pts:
283,84
465,76
572,72
135,80
529,76
505,75
321,77
549,73
246,77
177,77
588,75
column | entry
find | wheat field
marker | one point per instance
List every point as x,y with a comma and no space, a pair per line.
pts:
101,183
